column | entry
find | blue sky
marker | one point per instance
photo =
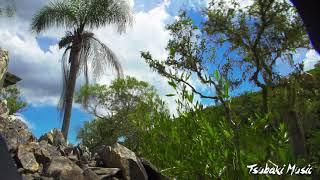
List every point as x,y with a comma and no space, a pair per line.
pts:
36,58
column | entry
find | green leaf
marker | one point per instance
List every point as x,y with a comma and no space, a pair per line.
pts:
170,95
216,75
172,84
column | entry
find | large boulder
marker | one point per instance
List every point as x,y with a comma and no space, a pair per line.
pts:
14,130
118,156
26,157
64,169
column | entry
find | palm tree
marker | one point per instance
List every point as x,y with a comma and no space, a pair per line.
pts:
81,46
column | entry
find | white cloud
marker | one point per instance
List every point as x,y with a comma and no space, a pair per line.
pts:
312,57
41,71
147,34
24,120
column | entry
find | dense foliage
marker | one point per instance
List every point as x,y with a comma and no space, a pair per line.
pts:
275,122
12,95
122,110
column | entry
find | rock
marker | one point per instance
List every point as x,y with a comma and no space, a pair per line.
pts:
73,158
4,111
15,132
4,60
67,150
64,169
92,163
47,137
82,153
52,150
98,160
50,158
27,158
58,138
28,162
152,171
30,176
46,178
54,137
108,172
42,155
118,156
90,175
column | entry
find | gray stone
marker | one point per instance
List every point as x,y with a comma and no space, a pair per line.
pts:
52,150
47,137
90,175
4,60
64,169
15,132
118,156
27,158
105,171
54,137
152,171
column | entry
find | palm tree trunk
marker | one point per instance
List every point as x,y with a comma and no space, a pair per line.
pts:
74,59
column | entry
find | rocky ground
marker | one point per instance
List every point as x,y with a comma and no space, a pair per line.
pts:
50,157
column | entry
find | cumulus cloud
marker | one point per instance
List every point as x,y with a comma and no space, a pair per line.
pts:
24,120
311,58
41,70
147,34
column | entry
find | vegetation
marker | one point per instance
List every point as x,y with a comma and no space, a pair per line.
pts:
218,129
81,46
121,109
252,40
14,102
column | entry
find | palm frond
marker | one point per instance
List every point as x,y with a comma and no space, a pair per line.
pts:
54,14
66,40
103,57
65,76
102,12
99,55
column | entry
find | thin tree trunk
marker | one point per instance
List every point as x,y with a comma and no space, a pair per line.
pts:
296,134
295,130
74,67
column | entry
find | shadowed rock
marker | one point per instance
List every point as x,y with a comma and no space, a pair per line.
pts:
64,169
152,171
120,157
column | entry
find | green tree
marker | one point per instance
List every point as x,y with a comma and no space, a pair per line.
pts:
14,102
122,110
81,46
252,40
256,38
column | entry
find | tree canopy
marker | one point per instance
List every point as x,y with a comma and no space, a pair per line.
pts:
122,111
82,48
